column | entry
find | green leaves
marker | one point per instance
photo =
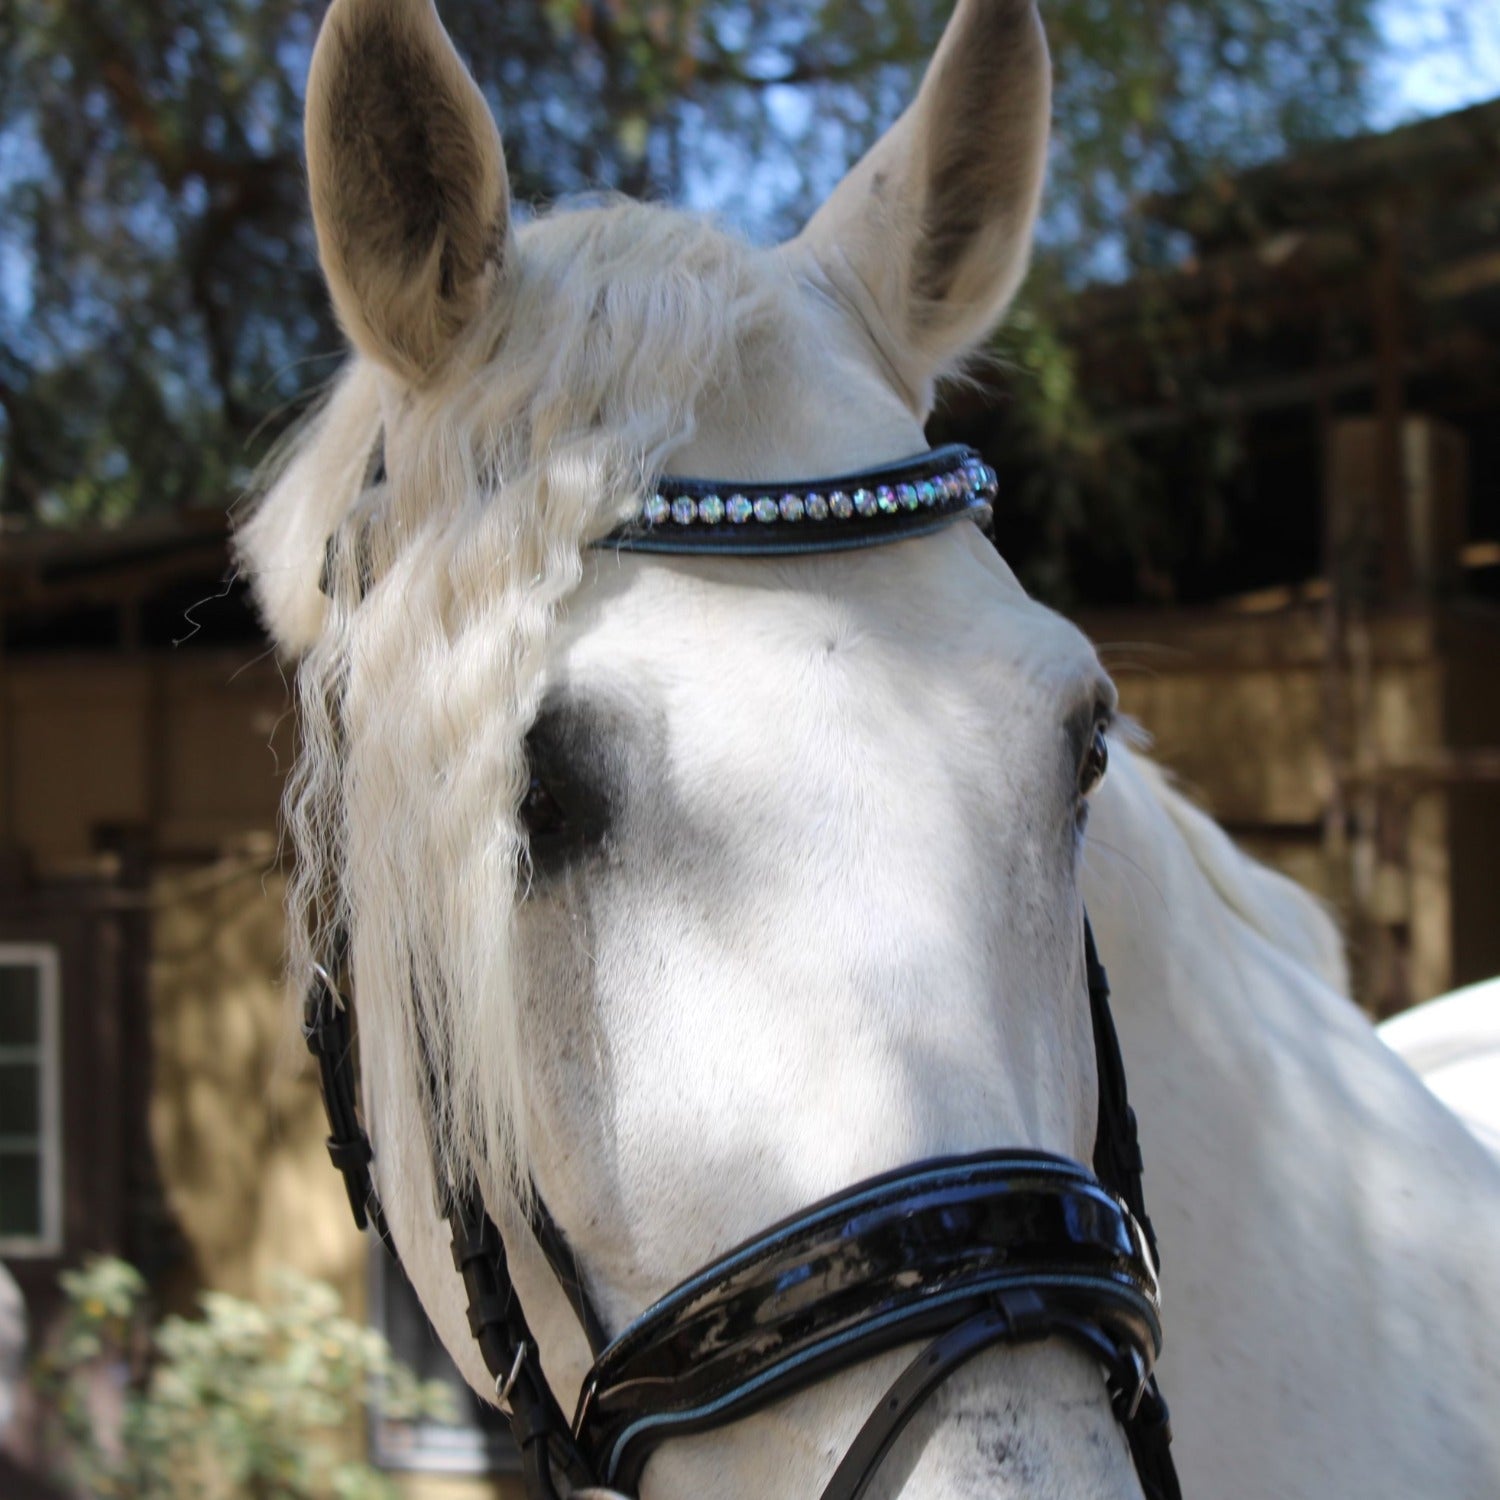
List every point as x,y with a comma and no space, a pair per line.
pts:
246,1400
161,315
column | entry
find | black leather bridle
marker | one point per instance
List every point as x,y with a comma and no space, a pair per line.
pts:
959,1254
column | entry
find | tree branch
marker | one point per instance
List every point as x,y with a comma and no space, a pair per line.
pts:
120,76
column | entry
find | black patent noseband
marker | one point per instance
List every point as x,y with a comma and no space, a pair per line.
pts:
965,1252
969,1251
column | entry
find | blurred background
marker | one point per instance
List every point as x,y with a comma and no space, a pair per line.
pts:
1246,416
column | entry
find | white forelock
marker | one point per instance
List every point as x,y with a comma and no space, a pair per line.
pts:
421,664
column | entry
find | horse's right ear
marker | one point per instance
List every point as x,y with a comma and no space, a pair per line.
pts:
409,190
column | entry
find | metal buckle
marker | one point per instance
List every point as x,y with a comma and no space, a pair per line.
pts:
505,1385
317,1002
1142,1378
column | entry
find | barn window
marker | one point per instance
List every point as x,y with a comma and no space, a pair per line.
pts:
30,1125
480,1442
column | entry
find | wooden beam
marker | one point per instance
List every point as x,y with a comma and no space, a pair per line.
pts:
1389,324
1478,273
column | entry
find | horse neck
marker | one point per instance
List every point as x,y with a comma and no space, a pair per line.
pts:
1228,995
1323,1219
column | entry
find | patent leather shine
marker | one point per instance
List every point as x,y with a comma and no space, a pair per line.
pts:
890,1261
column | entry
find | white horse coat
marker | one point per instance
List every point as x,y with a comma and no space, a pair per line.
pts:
1327,1226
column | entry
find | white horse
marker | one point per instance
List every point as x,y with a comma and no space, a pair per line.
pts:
1452,1043
709,887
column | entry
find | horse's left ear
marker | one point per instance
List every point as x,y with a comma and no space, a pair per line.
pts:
409,190
928,237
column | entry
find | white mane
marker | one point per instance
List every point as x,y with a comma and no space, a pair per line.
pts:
422,666
1278,909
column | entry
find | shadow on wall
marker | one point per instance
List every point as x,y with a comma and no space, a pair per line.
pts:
236,1121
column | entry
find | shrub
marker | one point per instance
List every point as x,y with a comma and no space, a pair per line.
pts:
248,1401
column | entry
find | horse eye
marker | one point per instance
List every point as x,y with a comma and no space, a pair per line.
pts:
1095,763
565,815
541,816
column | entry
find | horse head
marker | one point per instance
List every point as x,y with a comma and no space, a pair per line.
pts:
681,891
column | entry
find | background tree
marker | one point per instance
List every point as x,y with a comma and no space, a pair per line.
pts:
160,310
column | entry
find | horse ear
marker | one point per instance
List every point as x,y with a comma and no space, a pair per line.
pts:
928,237
409,191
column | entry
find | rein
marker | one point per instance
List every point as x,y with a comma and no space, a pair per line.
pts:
967,1252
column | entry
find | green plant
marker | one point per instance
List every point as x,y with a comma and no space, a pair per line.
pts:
245,1402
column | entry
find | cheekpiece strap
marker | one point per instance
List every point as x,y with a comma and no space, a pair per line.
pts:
911,1254
328,1032
496,1318
509,1349
869,508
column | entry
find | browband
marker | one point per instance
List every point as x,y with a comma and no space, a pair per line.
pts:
785,518
891,503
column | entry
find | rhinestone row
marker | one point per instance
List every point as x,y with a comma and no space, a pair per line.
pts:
970,480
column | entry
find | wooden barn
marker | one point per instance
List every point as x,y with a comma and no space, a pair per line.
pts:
1323,675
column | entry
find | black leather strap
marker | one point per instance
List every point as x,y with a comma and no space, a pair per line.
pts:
499,1326
569,1274
1120,1166
327,1030
1018,1315
895,1259
1117,1149
918,1381
496,1318
924,510
1149,1432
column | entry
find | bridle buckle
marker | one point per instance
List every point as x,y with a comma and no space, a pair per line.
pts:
504,1385
1142,1380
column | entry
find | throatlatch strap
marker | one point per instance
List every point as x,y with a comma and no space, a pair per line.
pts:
1118,1163
510,1352
1120,1166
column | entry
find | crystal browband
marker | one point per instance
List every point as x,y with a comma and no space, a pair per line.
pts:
904,499
892,503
